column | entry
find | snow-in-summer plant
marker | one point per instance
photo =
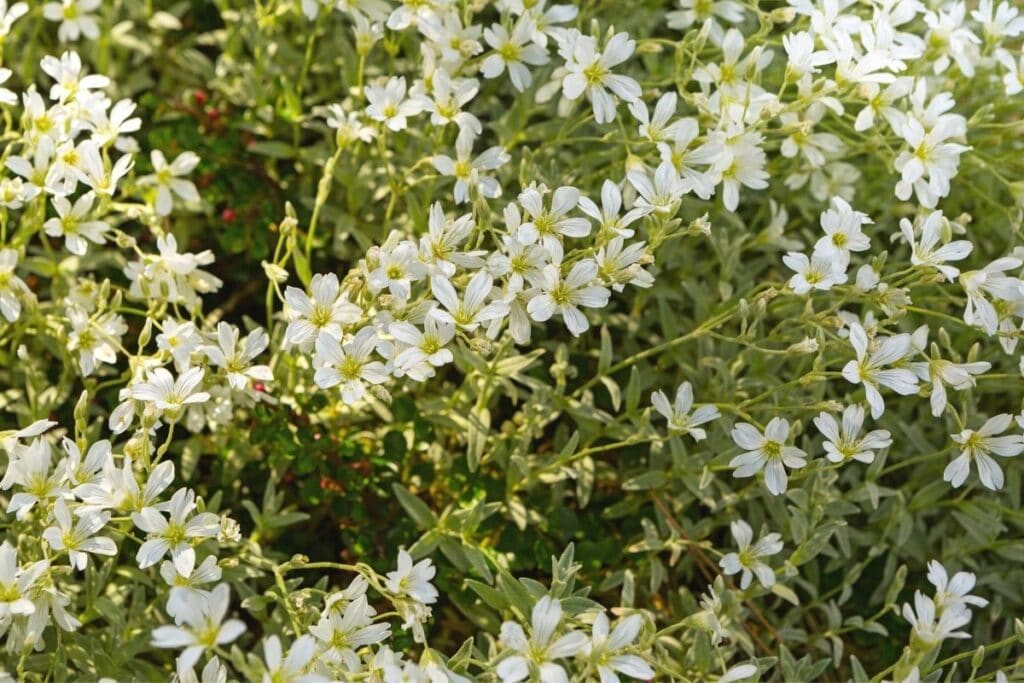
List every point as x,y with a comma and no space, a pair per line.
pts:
511,340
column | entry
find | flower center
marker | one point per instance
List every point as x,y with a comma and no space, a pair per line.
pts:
351,368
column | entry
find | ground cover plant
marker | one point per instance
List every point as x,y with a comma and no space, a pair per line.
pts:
459,340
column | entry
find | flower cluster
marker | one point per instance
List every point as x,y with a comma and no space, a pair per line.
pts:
487,230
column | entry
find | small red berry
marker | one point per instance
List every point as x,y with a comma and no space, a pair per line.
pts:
200,97
228,215
259,386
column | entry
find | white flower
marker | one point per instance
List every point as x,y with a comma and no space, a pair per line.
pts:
977,447
1013,79
348,364
236,359
95,340
213,672
929,630
204,628
327,310
343,632
939,372
535,656
565,295
170,395
703,12
425,349
766,451
78,538
882,101
413,580
663,194
608,220
955,592
685,154
112,128
748,559
606,651
590,72
802,58
550,225
172,276
7,96
439,248
469,172
75,17
445,101
9,15
389,105
513,52
12,287
348,126
291,667
870,369
71,84
91,170
70,225
29,468
16,583
739,161
999,21
185,580
949,36
473,310
413,592
168,181
179,338
925,252
176,533
818,272
847,443
79,471
659,127
931,161
842,226
991,281
680,415
619,265
398,268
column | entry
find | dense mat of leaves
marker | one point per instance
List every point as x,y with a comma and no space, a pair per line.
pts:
456,340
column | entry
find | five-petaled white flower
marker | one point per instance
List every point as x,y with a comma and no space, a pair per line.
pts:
175,533
535,656
955,592
681,415
69,223
78,538
870,368
928,252
748,559
979,446
513,51
169,395
847,443
203,628
349,364
767,451
168,180
565,295
590,72
606,650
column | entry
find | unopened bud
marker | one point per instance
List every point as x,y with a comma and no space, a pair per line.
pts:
274,272
807,345
782,15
